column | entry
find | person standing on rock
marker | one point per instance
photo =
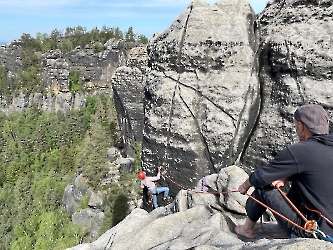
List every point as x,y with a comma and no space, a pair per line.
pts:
308,164
153,190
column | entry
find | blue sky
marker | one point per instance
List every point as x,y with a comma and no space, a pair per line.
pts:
145,16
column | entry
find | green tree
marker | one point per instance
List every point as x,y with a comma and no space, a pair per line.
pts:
75,82
39,154
30,79
4,90
120,208
129,35
92,155
142,39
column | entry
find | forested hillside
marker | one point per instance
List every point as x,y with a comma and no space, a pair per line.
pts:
40,153
29,76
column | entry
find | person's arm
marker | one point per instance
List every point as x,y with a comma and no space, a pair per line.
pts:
157,177
276,172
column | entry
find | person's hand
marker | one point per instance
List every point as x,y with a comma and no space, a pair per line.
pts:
159,169
244,187
278,183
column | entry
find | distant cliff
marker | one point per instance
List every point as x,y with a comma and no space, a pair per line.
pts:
105,71
95,71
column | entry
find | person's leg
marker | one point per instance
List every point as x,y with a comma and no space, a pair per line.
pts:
155,201
254,212
154,192
247,229
165,190
273,199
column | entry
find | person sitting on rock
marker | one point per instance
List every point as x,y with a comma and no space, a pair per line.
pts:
308,165
153,190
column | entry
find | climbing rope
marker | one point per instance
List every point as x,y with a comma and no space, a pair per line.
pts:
310,226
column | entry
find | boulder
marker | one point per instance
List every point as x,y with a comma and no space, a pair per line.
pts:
74,193
296,60
91,219
97,200
202,93
126,165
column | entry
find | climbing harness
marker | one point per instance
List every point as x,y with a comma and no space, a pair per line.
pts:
310,226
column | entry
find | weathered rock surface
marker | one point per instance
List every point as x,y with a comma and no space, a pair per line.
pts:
202,92
95,70
128,92
128,88
10,56
56,72
194,220
89,218
74,193
296,59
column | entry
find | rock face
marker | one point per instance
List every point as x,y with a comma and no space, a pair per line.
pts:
95,70
56,72
296,59
128,88
10,56
216,89
202,93
74,193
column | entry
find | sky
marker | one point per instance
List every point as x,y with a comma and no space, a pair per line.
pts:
145,16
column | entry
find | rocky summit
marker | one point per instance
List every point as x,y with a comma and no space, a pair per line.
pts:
217,99
198,220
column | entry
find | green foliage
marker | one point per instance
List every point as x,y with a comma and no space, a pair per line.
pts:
120,208
75,82
83,203
98,48
4,90
137,156
127,188
142,39
92,155
91,104
28,80
39,155
51,230
130,36
78,36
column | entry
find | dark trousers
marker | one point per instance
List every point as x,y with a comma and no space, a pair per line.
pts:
273,199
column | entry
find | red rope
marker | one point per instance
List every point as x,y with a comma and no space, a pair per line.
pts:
264,205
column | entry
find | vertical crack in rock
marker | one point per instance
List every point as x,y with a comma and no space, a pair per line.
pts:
201,92
200,132
294,73
256,113
179,54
